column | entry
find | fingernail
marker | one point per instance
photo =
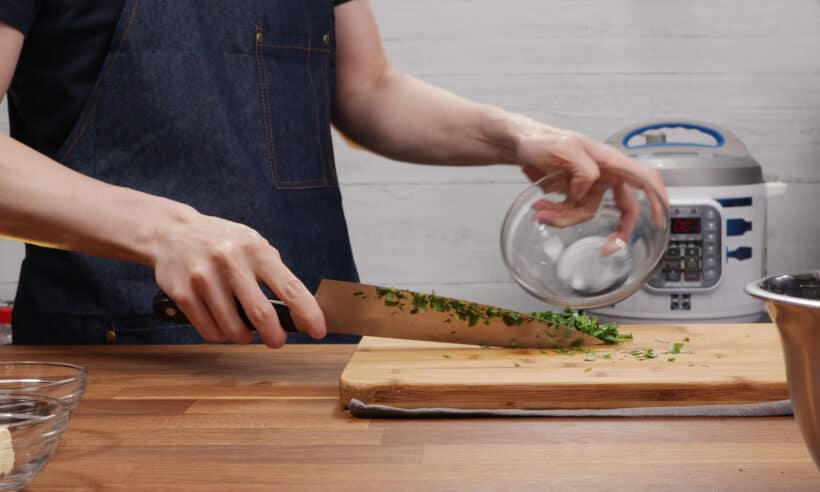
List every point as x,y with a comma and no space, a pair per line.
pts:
612,245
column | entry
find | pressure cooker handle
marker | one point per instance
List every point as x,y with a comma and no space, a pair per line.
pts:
724,140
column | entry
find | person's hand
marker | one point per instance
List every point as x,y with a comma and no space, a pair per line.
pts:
591,169
206,263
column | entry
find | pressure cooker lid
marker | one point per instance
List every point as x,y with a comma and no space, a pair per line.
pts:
690,153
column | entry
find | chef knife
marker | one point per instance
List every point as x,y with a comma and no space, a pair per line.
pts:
368,310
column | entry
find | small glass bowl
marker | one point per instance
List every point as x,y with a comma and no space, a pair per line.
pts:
30,429
566,264
66,382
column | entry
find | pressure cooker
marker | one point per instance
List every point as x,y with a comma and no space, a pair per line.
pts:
717,243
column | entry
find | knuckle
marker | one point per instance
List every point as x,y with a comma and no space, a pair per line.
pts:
223,254
261,314
575,141
293,289
198,274
568,144
252,241
176,292
274,253
184,300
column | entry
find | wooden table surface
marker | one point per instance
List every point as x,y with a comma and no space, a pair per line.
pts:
248,418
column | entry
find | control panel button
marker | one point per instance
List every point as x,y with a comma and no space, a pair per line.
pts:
710,214
692,251
710,274
673,252
710,249
671,265
673,276
710,225
692,264
710,237
691,276
710,262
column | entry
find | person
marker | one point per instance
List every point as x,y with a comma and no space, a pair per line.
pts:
186,146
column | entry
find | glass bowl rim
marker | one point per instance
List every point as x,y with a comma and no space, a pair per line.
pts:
81,376
63,411
601,300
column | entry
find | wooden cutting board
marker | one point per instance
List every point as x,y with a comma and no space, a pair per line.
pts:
720,364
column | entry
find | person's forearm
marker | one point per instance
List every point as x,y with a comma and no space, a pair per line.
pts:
46,203
406,119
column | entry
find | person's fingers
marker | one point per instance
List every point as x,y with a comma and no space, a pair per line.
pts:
640,176
582,168
558,183
610,158
563,218
219,298
567,213
306,313
627,203
198,314
260,312
545,204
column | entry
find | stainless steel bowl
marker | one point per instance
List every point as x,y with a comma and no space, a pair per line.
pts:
794,305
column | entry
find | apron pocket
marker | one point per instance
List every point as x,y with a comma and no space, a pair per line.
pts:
295,91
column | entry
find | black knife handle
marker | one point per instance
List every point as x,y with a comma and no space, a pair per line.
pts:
165,309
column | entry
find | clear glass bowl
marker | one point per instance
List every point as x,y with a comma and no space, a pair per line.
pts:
567,264
66,382
30,429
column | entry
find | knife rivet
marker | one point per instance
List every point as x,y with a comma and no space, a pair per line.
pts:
170,312
111,336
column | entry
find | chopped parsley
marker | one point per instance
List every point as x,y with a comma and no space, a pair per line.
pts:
644,354
472,313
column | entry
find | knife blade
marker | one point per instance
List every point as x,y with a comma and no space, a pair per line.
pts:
368,310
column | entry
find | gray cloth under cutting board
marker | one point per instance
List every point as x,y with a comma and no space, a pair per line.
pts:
767,409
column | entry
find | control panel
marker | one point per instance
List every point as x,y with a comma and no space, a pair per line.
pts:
693,259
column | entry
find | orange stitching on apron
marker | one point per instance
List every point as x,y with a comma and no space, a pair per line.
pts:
290,47
316,110
331,162
93,108
263,90
265,95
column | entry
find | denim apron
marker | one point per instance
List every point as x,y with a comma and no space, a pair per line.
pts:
221,104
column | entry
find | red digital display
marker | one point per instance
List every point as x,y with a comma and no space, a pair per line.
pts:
686,226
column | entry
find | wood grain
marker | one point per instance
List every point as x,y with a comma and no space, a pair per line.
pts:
719,364
251,419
